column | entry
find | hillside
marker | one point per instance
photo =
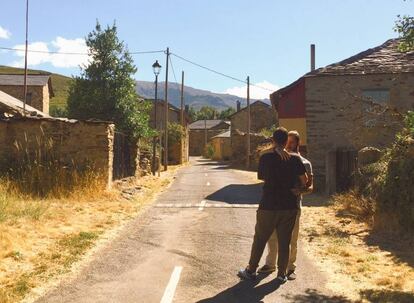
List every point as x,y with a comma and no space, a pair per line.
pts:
194,97
60,84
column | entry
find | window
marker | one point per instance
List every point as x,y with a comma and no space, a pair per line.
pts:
379,96
374,106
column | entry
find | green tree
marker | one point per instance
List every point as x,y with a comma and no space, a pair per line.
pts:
207,112
404,26
226,113
105,89
192,113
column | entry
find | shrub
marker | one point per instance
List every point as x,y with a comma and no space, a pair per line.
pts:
175,133
209,151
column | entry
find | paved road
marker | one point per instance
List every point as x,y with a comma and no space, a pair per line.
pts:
183,250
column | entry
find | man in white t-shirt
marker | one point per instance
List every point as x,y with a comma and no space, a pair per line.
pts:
292,146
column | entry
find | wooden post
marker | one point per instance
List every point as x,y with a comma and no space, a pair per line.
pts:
182,99
25,59
205,133
330,172
166,112
248,124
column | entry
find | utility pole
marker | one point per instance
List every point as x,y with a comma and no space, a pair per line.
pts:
25,58
205,133
248,123
154,146
182,100
166,111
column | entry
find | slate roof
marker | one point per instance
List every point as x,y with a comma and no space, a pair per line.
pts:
199,124
226,134
383,59
18,80
9,104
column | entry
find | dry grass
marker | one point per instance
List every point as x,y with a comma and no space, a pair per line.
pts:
354,205
337,235
41,239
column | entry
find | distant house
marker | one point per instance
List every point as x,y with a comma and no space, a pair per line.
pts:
261,116
10,106
39,89
202,131
221,146
177,153
348,105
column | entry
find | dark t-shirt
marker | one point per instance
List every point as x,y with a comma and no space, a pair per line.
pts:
279,178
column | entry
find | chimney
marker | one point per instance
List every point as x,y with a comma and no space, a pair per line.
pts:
238,104
312,55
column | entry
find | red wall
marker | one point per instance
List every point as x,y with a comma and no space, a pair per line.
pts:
292,102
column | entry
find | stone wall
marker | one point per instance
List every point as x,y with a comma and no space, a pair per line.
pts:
197,140
262,116
337,114
39,95
74,142
239,148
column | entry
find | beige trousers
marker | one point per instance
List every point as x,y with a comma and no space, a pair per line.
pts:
272,247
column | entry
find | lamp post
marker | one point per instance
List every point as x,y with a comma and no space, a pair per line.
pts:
156,68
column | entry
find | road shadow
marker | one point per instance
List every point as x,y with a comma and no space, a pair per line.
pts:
387,296
313,296
400,250
244,292
238,194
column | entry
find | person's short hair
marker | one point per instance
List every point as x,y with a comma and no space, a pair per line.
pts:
295,134
280,136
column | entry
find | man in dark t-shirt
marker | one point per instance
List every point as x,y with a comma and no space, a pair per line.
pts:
278,206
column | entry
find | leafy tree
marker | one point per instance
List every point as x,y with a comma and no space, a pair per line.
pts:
106,88
207,112
192,113
226,113
404,26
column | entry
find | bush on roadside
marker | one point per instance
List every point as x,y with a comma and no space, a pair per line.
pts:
389,183
209,151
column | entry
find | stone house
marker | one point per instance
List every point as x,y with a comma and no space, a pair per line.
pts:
345,106
201,131
72,142
178,153
39,89
261,117
221,146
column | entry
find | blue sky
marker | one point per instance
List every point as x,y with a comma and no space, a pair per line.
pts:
268,40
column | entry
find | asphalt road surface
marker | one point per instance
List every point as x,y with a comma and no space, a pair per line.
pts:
188,247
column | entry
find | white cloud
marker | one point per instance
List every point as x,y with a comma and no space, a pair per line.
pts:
63,45
4,33
60,45
32,58
256,92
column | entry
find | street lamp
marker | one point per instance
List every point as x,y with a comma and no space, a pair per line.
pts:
157,69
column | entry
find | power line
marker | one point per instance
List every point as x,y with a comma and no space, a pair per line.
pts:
207,68
172,67
220,73
73,53
144,52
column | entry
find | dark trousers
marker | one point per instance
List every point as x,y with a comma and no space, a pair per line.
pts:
267,221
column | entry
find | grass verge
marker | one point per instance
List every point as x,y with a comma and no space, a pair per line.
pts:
361,264
41,240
